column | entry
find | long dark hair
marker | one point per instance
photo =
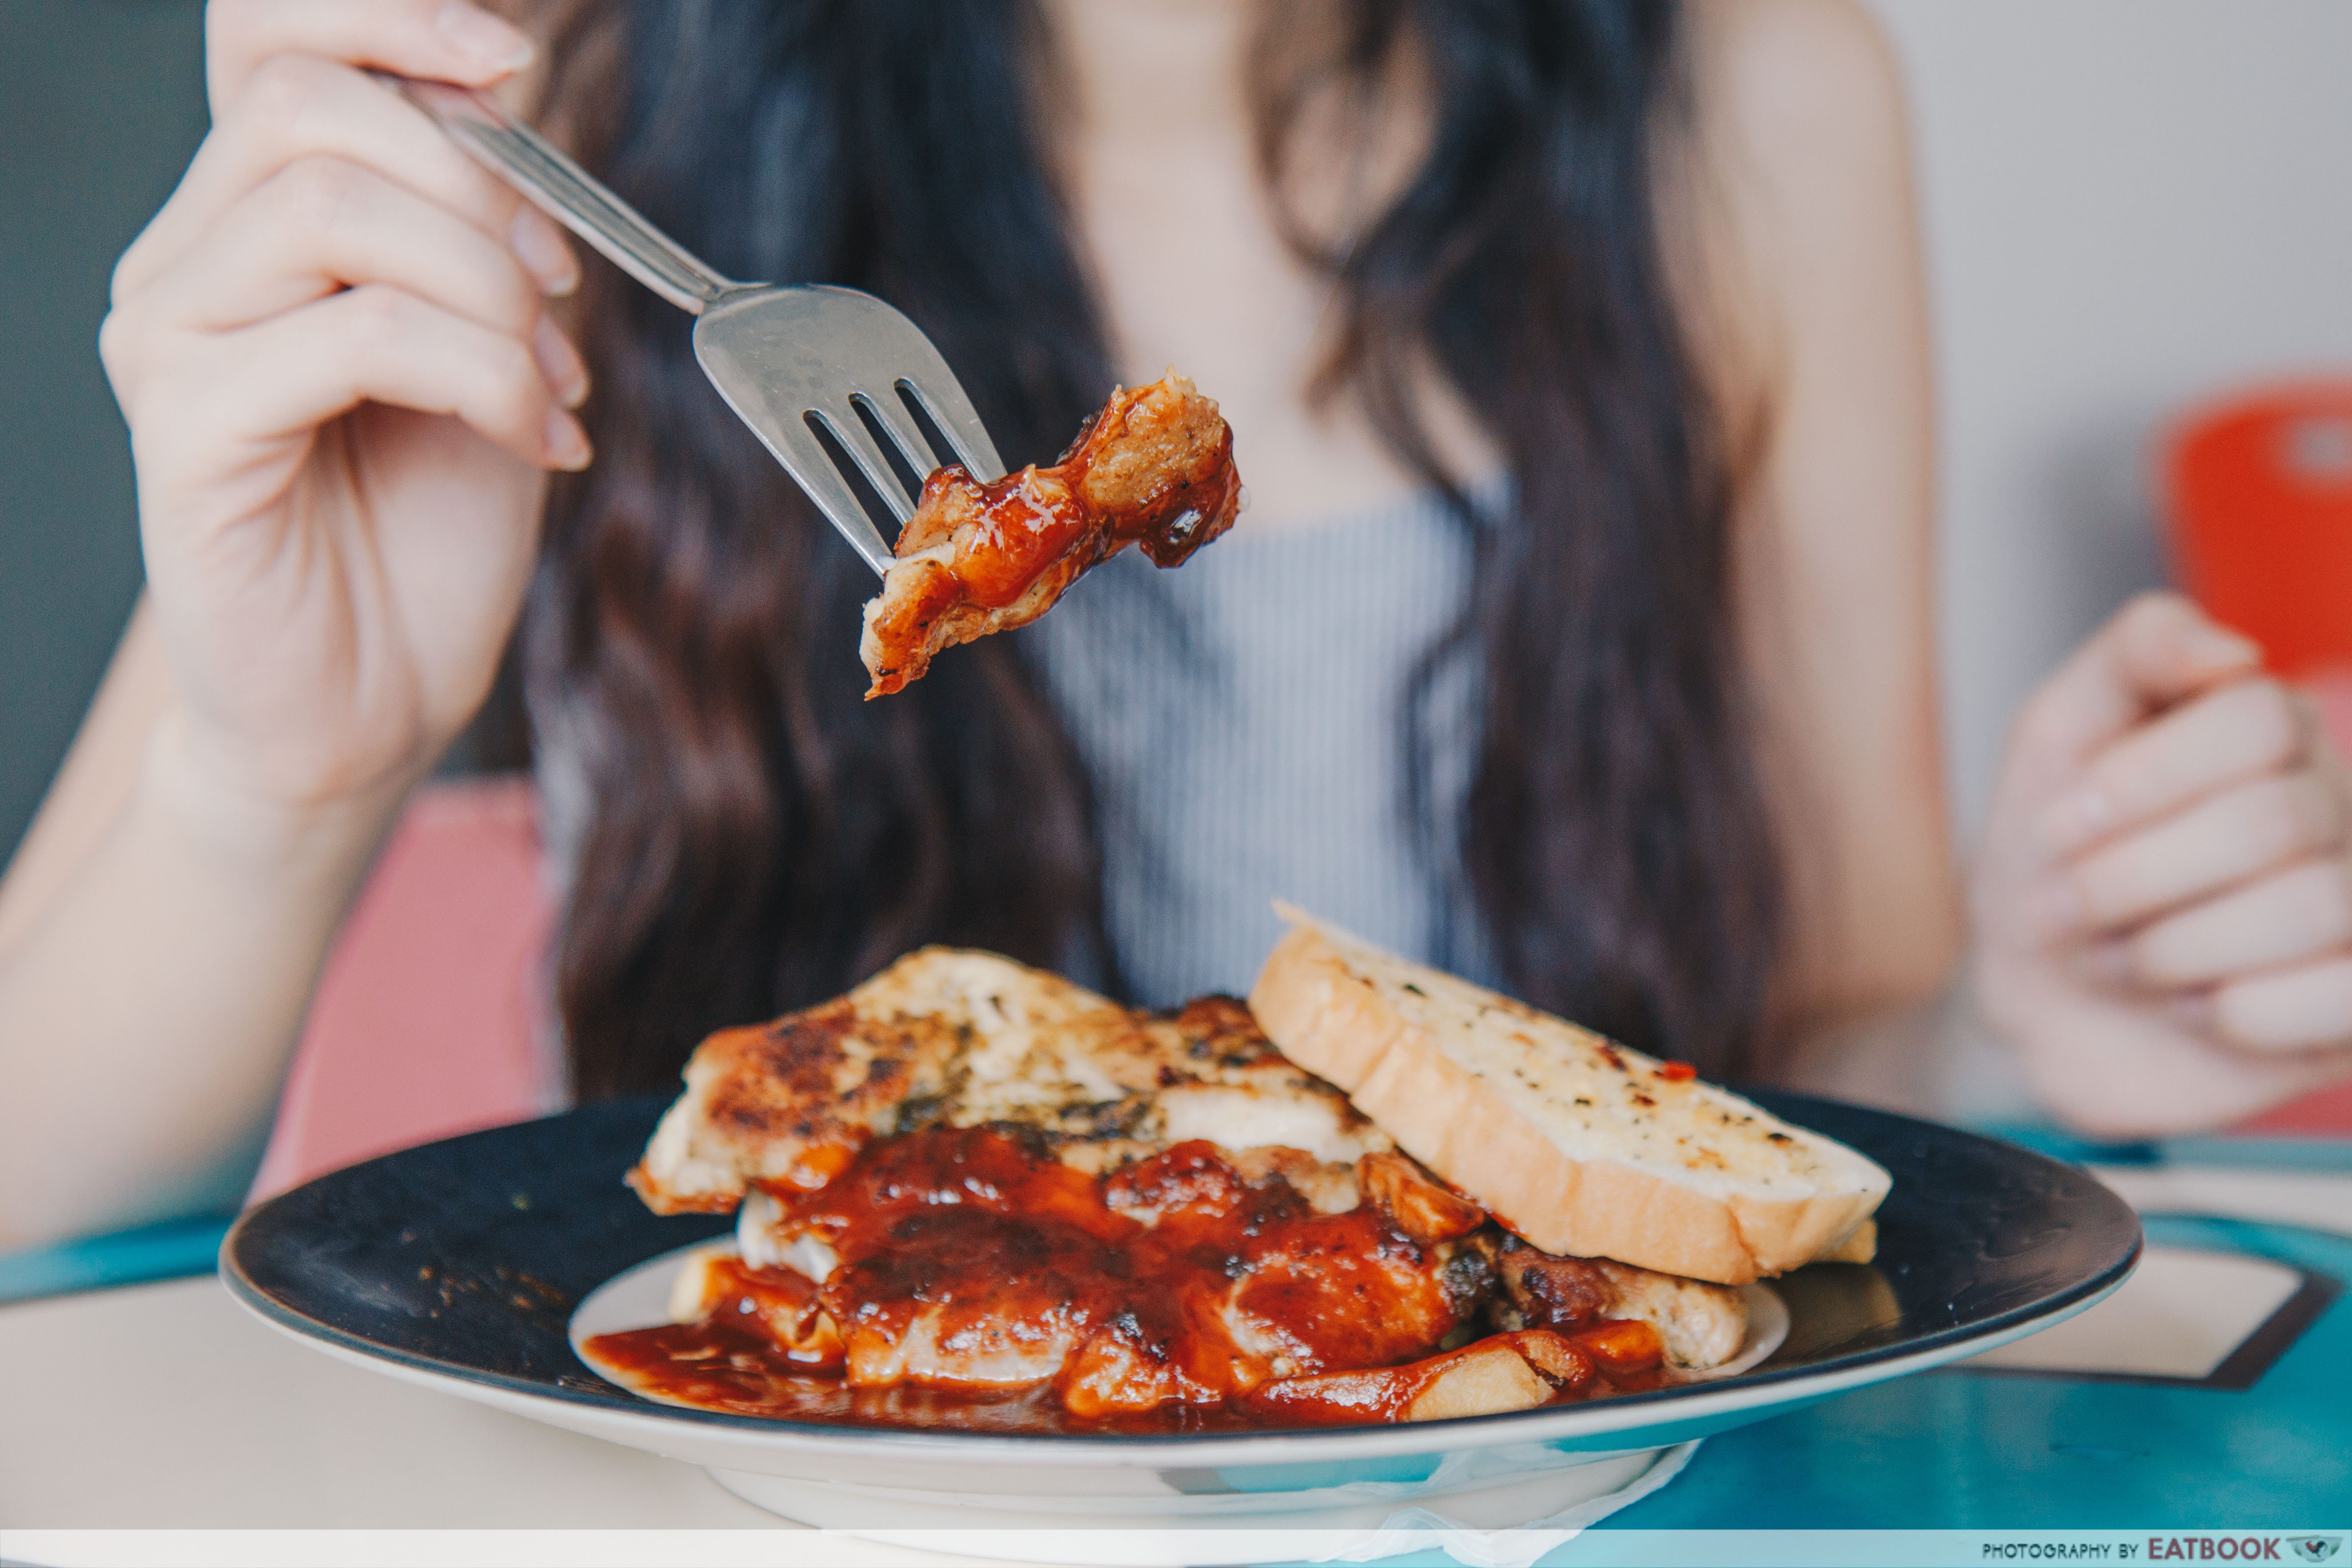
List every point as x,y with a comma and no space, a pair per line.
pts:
756,838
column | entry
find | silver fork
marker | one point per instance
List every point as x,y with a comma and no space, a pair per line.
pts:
791,360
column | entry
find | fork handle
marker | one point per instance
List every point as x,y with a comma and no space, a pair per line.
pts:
566,192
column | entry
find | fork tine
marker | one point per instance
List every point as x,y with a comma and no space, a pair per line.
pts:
913,451
812,469
790,359
944,402
866,453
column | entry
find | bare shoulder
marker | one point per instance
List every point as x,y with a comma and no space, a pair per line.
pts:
1800,127
1793,185
1787,74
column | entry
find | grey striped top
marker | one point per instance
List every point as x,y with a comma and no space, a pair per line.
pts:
1241,718
1242,721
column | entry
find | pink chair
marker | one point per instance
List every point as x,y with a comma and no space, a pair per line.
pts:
2327,1114
431,1018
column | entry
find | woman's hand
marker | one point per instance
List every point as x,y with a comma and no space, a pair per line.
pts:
2164,897
342,387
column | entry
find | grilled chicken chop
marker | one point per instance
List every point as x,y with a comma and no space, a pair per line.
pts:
993,1177
1155,466
967,1173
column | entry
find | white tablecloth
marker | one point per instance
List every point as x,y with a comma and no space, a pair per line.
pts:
167,1407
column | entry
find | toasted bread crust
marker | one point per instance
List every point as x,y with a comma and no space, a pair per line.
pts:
1335,1020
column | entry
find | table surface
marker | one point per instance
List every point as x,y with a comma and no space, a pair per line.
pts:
166,1405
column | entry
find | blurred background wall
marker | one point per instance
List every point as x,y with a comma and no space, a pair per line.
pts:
101,105
2129,204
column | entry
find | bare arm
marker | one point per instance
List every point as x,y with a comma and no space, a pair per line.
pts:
157,949
1803,195
342,386
91,791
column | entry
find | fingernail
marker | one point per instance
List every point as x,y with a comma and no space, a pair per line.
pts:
2075,818
484,39
539,245
2107,964
567,444
2054,910
560,363
2218,644
2195,1012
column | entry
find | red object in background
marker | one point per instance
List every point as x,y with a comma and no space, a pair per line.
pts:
2327,1114
2258,499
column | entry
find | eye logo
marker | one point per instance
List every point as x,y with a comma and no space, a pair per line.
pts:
2316,1548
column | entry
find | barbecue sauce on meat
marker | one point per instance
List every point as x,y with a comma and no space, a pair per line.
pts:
1154,467
982,1285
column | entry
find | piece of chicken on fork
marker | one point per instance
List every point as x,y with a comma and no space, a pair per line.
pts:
1154,467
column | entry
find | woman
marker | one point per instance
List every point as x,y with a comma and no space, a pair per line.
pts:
1608,314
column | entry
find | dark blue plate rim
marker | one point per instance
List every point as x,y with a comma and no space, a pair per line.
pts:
2108,1226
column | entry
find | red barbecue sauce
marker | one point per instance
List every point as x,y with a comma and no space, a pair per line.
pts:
968,1258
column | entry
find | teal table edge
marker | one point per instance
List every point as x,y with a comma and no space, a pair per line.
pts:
2318,1154
170,1250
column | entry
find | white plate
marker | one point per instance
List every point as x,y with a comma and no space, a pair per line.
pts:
474,1266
